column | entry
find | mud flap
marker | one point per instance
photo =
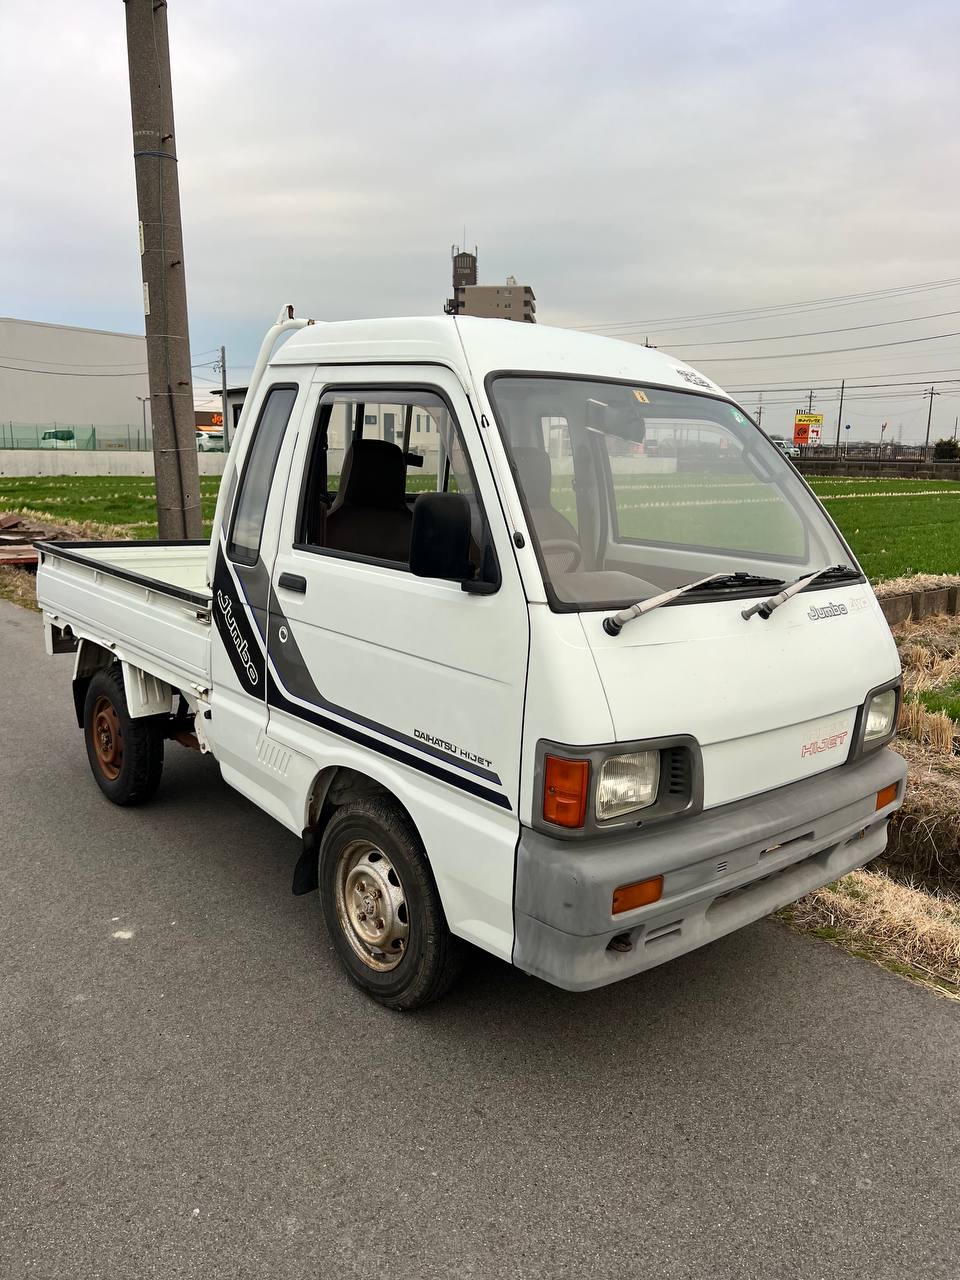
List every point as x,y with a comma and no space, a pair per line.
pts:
305,872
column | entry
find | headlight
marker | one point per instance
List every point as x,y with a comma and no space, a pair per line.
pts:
880,712
627,783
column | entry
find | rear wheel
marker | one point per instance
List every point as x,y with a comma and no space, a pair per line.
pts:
382,908
126,755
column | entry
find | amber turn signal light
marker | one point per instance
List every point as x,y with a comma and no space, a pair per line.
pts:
887,796
565,791
639,894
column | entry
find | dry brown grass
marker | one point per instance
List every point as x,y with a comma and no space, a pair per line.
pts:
82,530
19,586
930,729
925,834
939,634
901,927
916,582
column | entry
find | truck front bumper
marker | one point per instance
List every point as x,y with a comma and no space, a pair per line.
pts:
721,870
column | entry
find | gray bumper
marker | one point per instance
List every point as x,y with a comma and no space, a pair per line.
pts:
721,870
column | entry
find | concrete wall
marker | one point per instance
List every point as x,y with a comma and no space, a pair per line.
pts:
83,462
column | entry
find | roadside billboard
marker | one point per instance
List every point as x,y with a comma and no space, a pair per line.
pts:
807,427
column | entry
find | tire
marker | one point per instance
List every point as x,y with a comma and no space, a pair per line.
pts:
371,857
126,755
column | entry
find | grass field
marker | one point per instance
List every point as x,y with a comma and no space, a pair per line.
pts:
896,527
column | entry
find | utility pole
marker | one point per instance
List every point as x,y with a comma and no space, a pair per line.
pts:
164,284
759,407
843,383
931,393
810,403
223,398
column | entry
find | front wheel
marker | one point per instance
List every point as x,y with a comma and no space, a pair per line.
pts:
382,908
126,755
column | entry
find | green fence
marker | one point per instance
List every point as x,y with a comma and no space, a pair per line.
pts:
67,435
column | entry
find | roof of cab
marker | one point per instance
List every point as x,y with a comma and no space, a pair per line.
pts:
477,347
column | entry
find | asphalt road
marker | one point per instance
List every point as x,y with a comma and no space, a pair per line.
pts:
209,1097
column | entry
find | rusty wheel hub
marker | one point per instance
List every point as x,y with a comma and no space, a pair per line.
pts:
107,738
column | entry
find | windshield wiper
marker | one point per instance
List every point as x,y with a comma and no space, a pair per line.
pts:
716,582
616,622
766,607
735,581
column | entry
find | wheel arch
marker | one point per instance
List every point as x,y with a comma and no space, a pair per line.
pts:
91,657
332,787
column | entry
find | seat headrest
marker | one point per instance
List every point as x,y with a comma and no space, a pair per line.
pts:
373,475
534,470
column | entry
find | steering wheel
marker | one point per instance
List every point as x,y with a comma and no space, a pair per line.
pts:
551,546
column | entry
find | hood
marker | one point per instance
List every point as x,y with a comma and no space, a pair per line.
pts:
770,701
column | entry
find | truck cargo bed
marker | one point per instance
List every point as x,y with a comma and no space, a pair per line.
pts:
147,601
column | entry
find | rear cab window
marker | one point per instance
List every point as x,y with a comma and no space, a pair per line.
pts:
246,528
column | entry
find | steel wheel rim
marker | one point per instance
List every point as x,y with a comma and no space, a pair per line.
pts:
107,738
372,906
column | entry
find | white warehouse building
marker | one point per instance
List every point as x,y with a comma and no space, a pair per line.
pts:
59,377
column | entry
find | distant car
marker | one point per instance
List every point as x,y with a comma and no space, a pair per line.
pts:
61,438
786,447
210,442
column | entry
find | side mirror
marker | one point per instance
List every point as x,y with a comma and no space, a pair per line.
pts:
440,537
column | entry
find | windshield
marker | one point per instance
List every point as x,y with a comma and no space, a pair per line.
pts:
631,490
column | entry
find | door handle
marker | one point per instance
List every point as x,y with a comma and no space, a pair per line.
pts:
293,582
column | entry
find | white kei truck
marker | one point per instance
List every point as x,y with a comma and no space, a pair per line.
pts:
533,636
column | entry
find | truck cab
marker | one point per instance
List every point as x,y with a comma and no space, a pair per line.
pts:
535,638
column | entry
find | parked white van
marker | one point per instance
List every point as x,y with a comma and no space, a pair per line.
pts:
534,636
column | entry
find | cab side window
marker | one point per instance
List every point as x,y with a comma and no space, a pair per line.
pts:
374,451
246,530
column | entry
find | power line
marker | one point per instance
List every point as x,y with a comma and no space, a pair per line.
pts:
831,351
79,364
939,375
64,373
818,333
814,304
91,364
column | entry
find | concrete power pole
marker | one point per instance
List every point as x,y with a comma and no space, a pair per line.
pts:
164,284
223,398
843,383
931,393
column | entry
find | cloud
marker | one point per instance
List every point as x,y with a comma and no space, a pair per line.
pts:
628,161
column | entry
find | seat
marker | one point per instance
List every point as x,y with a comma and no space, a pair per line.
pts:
370,516
536,477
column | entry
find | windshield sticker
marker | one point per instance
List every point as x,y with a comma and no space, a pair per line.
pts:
738,417
695,379
640,395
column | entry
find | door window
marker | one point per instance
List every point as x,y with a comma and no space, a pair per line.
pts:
364,475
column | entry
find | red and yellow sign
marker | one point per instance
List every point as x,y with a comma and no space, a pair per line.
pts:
807,427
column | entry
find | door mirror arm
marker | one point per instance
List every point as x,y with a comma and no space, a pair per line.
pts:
474,587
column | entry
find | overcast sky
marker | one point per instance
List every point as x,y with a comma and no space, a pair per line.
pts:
633,162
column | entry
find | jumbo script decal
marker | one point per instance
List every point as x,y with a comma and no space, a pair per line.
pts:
243,649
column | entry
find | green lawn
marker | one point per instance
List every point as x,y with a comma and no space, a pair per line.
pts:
917,530
915,533
115,500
